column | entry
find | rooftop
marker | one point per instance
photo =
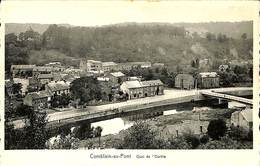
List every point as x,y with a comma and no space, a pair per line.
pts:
23,66
45,76
109,64
117,74
138,84
40,94
247,114
151,83
56,86
133,84
93,61
208,74
42,68
102,78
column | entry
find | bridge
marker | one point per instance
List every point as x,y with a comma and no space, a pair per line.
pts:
109,111
227,97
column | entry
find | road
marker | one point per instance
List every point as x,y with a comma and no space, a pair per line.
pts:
169,95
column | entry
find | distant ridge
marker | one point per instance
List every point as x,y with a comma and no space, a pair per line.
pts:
22,27
231,29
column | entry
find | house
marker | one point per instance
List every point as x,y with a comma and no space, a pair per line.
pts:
243,119
223,68
56,66
124,67
93,65
133,89
138,89
69,78
109,66
41,70
73,71
117,77
53,64
134,78
38,100
22,71
158,65
152,88
184,81
208,80
58,88
141,64
44,78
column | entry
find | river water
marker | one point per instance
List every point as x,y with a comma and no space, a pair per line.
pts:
114,126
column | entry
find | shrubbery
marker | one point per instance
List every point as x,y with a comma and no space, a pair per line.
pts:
217,129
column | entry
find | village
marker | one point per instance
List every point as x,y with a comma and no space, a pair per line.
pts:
47,88
39,84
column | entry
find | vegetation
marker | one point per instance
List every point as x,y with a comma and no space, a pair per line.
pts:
33,136
217,129
139,136
60,100
97,133
151,74
86,89
164,43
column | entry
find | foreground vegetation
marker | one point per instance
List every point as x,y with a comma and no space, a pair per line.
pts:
147,134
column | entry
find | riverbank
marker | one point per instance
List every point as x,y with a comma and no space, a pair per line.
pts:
166,126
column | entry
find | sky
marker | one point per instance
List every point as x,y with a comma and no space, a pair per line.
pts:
90,13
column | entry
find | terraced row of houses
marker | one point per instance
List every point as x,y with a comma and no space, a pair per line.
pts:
41,83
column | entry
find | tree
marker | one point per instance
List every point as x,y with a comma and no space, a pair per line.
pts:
139,136
17,88
244,36
33,136
217,129
97,133
84,131
36,133
63,142
86,89
14,52
179,143
227,143
192,140
60,100
227,78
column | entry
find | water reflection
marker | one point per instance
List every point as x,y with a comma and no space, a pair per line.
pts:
114,126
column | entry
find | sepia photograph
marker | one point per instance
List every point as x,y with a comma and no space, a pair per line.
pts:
134,76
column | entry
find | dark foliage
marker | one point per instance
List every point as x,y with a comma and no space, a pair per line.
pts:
217,129
86,89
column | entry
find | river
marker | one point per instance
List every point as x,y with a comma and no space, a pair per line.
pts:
114,126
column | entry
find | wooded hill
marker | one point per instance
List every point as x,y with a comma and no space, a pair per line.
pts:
172,44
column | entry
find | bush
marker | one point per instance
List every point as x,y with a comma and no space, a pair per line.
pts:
179,143
217,129
139,136
193,140
204,139
238,133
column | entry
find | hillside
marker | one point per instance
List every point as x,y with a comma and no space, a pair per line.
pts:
19,27
162,42
231,29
